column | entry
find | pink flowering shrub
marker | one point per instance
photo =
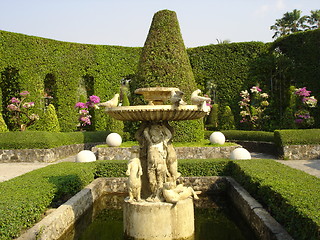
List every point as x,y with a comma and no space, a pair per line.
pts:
304,101
252,105
83,110
20,111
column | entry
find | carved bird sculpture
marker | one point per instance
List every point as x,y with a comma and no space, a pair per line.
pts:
198,100
176,98
111,103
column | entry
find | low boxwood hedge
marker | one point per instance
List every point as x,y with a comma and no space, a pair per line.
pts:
232,135
24,199
290,195
297,137
45,140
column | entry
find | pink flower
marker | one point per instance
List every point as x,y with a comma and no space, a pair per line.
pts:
12,107
28,105
80,105
255,89
84,112
85,120
303,92
94,99
15,100
24,93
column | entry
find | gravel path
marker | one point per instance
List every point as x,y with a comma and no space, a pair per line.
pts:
12,170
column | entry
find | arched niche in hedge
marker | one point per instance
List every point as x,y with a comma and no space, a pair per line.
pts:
50,90
10,87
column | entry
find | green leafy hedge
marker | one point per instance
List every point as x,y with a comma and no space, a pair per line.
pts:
71,71
45,140
24,199
297,137
228,67
245,135
291,196
303,48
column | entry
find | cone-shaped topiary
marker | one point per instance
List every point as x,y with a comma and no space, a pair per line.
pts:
49,121
164,62
3,125
226,120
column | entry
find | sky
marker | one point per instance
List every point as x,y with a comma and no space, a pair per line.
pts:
127,22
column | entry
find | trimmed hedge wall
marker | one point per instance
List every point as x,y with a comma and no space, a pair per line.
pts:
68,69
73,70
299,66
46,140
227,66
291,196
297,137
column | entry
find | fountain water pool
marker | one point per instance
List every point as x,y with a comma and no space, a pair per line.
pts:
215,218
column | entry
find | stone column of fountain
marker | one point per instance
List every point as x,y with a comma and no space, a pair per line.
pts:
158,207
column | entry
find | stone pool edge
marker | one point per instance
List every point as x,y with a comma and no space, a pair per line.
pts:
61,219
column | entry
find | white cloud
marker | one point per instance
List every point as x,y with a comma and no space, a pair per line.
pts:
262,10
280,4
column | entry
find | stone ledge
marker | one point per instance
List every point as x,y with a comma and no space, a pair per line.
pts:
42,155
57,223
301,152
118,153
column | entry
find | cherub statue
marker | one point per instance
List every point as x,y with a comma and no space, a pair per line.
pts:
134,172
173,193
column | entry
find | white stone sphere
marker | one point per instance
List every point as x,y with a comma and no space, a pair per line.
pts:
114,140
86,156
240,154
217,137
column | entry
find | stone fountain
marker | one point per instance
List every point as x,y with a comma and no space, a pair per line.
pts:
158,207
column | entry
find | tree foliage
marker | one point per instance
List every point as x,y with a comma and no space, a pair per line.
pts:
294,22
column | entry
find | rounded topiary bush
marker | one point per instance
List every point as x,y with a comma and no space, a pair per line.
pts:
3,125
164,62
49,121
226,120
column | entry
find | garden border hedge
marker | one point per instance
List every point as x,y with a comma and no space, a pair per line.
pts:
281,189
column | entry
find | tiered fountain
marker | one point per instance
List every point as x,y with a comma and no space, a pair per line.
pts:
158,207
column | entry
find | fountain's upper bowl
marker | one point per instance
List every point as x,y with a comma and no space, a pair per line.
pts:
156,95
156,110
156,113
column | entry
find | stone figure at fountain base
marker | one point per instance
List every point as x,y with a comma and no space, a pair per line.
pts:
134,172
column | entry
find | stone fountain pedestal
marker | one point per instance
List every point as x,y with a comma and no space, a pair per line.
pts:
157,207
160,220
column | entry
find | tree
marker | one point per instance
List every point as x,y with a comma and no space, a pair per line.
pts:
314,19
290,22
293,22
